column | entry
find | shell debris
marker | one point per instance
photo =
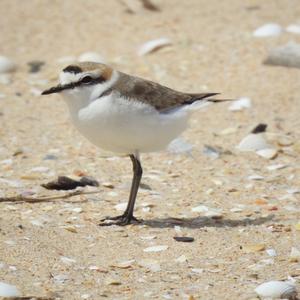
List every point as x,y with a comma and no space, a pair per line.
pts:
268,30
277,290
153,45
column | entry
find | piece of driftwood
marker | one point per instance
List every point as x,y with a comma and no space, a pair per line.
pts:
21,198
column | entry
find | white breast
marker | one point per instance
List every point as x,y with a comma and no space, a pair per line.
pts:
126,126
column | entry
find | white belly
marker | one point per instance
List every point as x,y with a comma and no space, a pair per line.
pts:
123,126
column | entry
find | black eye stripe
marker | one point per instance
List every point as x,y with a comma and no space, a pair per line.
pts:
87,79
90,80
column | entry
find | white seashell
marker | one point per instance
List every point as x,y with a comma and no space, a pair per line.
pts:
211,152
198,271
293,191
60,278
121,206
214,213
270,29
181,259
67,260
179,146
158,248
153,45
240,104
8,290
152,265
200,209
253,142
37,223
286,55
208,212
6,65
293,28
77,209
277,289
256,177
267,153
91,56
276,167
271,252
148,237
40,169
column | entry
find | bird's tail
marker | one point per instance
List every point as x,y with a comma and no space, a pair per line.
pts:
202,100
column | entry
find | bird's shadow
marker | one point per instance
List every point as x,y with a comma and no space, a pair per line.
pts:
200,222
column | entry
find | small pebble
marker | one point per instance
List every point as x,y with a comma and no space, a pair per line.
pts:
6,65
35,66
184,239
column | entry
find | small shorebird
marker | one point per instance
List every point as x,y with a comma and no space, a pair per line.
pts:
125,114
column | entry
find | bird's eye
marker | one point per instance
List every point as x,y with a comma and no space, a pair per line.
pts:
87,79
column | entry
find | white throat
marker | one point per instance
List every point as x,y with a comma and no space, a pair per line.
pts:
81,97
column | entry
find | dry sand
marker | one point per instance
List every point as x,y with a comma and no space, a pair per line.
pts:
213,49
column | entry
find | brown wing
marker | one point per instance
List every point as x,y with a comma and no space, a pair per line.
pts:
152,93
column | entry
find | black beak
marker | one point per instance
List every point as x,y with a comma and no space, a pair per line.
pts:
55,89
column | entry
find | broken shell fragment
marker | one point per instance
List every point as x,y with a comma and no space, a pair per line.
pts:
153,45
269,29
277,290
293,28
267,153
156,248
255,140
240,104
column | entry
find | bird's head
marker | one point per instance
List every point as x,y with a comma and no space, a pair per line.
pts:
82,78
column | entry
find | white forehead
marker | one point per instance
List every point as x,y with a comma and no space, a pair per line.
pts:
67,77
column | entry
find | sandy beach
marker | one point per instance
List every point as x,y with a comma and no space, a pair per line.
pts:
242,209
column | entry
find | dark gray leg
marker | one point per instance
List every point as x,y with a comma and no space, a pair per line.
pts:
127,216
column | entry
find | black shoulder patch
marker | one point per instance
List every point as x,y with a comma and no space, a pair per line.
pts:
72,69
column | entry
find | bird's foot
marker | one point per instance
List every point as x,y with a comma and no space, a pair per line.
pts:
121,220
